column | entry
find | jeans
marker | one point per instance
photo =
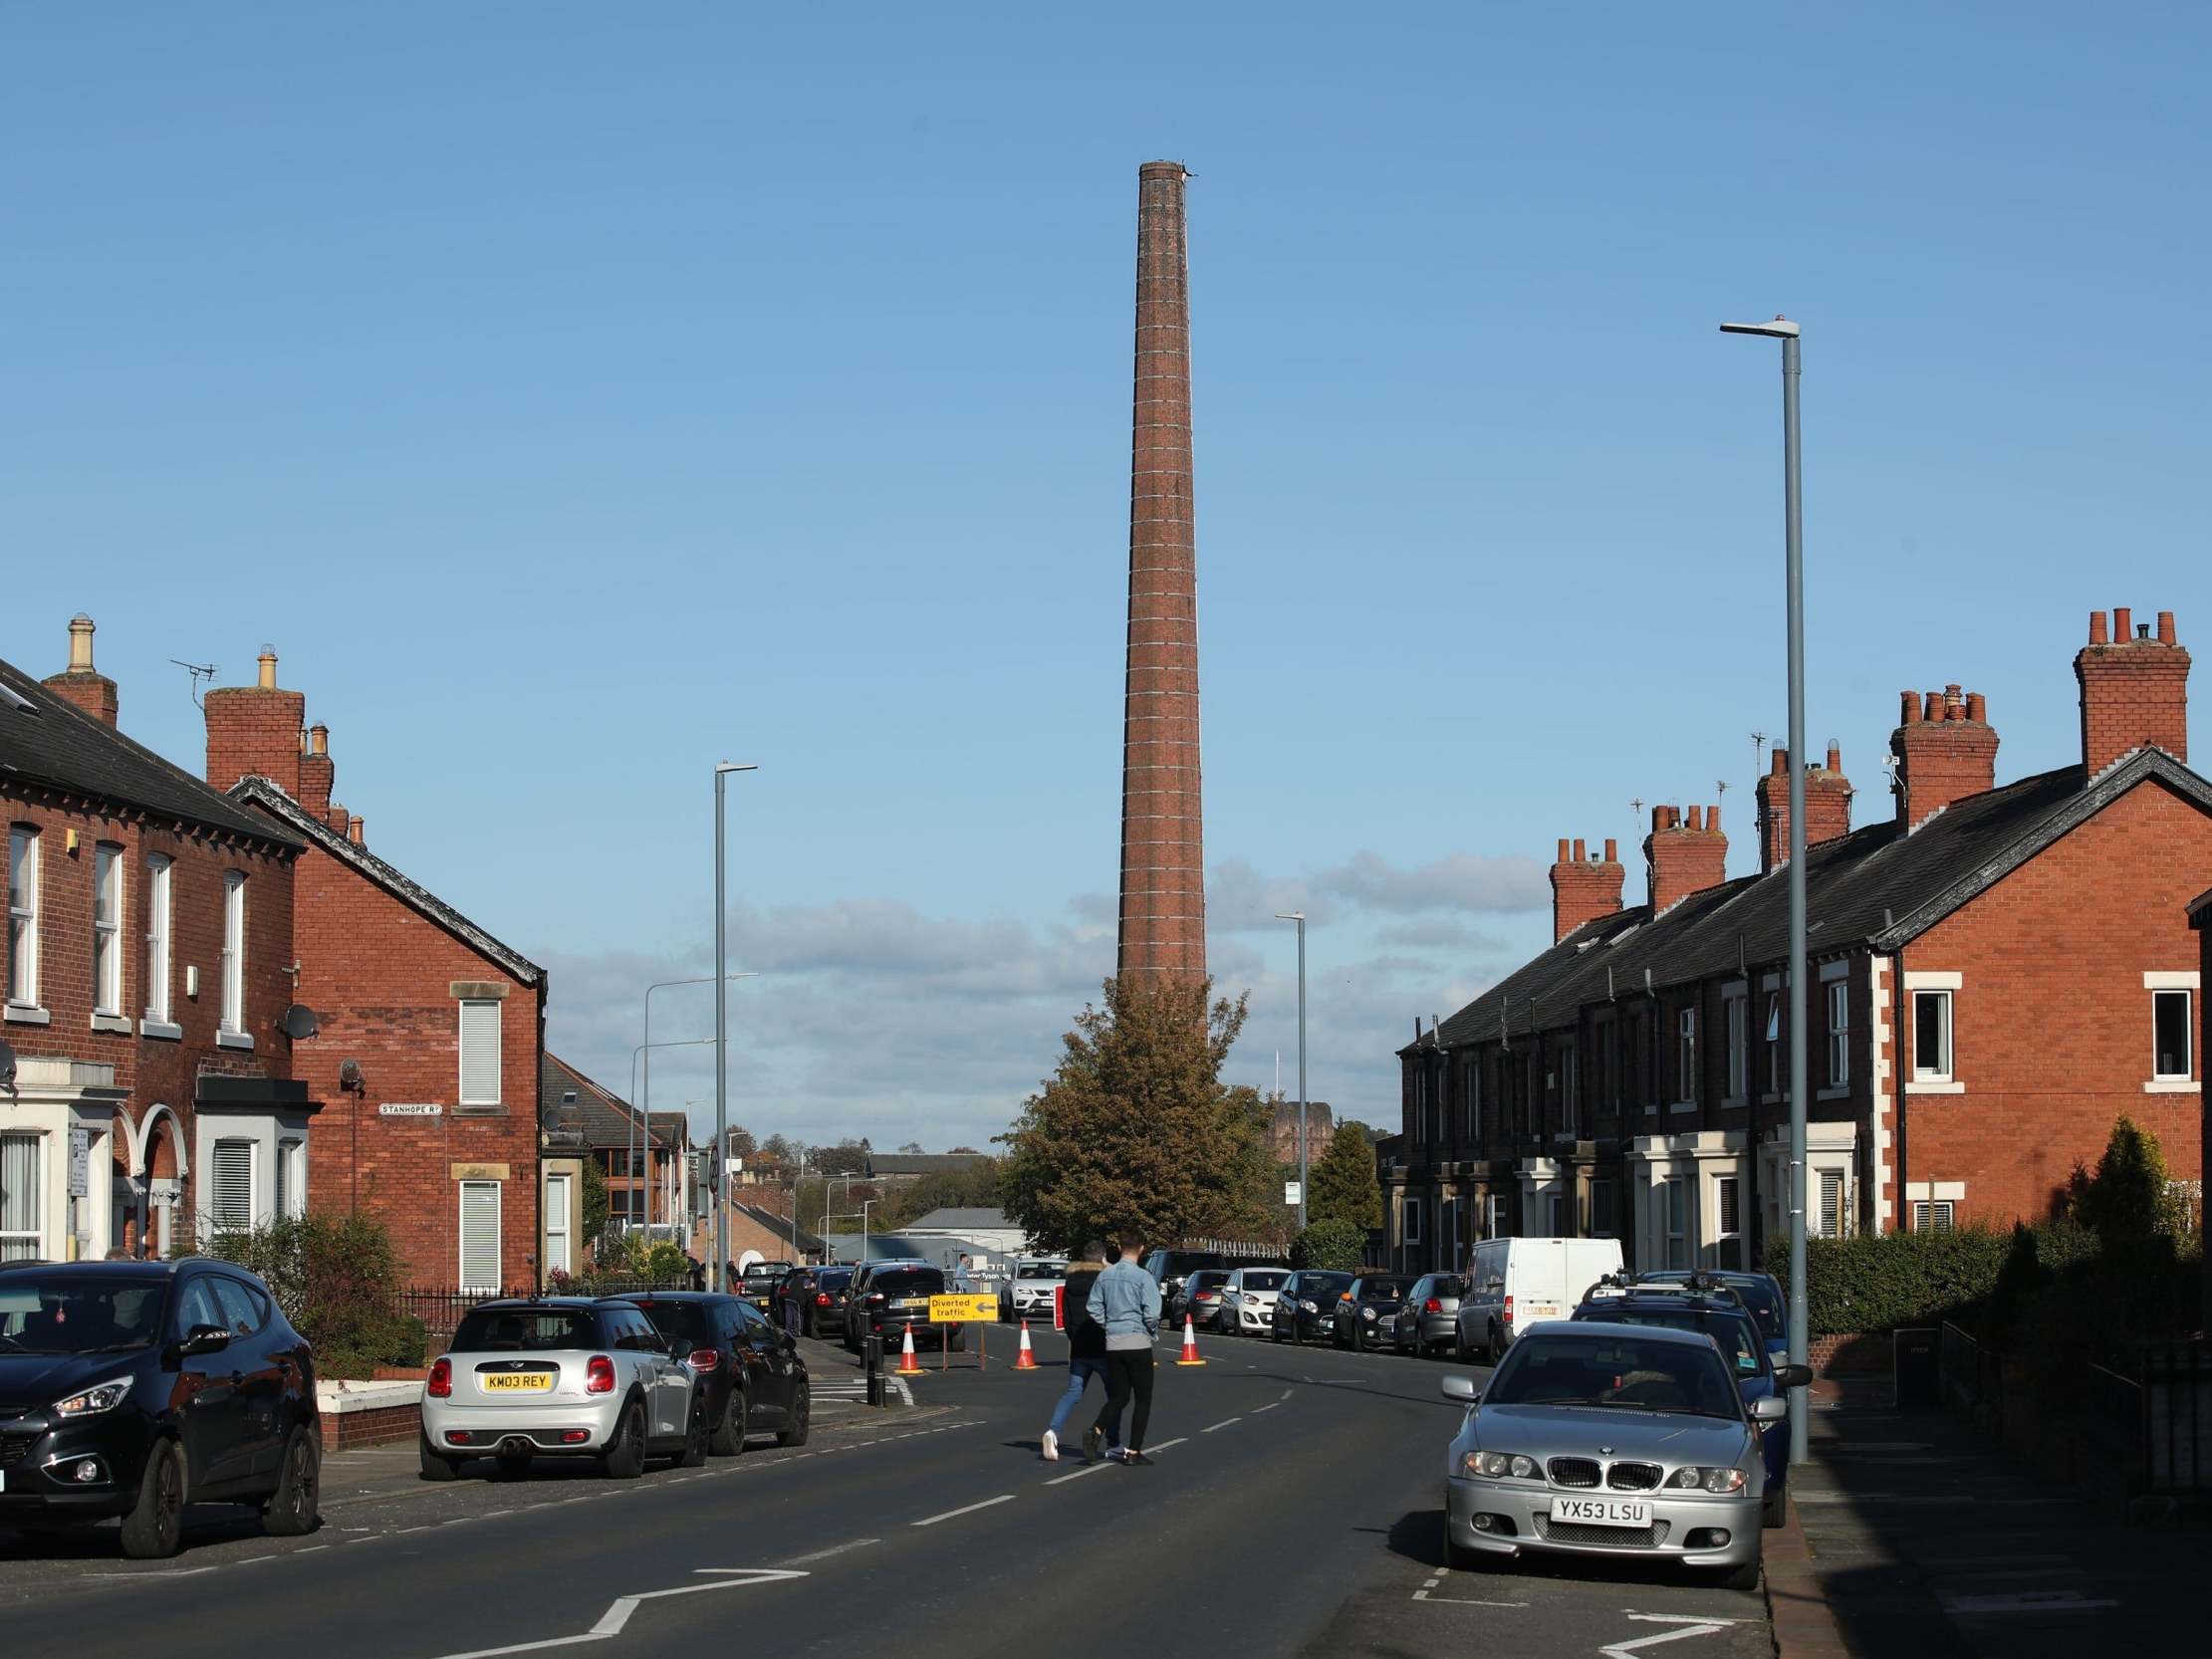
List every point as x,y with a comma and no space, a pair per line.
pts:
1080,1374
1128,1371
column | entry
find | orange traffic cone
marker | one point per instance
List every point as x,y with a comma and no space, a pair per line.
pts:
908,1365
1190,1344
1025,1361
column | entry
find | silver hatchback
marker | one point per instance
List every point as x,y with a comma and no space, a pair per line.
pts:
1628,1441
560,1377
1427,1323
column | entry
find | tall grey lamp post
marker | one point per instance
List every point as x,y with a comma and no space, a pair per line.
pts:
1783,330
644,1100
722,773
1299,916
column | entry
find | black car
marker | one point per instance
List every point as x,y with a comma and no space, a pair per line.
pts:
889,1299
822,1294
759,1283
1307,1305
1169,1268
133,1388
752,1374
1367,1311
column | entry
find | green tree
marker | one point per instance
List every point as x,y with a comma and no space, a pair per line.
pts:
595,1210
1344,1184
1337,1244
337,1278
2131,1197
1134,1136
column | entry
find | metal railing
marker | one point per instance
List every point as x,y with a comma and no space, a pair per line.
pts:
441,1308
2176,1416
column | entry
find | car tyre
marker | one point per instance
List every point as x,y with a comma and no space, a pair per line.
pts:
694,1451
295,1506
802,1417
1496,1351
730,1428
153,1531
1774,1510
436,1465
1741,1578
625,1457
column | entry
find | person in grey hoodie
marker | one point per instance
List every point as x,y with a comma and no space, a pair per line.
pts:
1125,1302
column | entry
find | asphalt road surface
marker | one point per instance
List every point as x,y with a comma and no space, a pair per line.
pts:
1294,1509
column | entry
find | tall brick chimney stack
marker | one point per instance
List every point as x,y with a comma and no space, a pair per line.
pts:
1685,856
1946,750
318,772
1163,895
2134,690
254,730
1827,807
81,683
1584,888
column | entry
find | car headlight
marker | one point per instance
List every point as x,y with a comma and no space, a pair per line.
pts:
1498,1464
90,1402
1367,1313
1309,1307
1708,1480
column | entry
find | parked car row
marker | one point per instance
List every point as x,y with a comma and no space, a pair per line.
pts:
890,1300
616,1381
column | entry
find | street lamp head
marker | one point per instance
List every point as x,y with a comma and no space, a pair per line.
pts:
731,766
1780,329
1289,915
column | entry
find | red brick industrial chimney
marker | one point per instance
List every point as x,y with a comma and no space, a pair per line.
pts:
1163,893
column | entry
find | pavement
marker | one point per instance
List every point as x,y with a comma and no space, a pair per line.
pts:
1293,1509
1915,1535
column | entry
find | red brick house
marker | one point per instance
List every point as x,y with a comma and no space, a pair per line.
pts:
145,1087
431,1032
1998,974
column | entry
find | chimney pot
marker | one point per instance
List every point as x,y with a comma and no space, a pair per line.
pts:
79,644
1931,706
1580,857
2142,630
2096,627
1697,817
2123,623
2165,628
357,831
1612,850
268,680
1712,818
1781,766
1977,707
319,739
1562,850
1835,755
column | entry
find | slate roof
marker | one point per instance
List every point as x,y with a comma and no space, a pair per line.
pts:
603,1115
923,1163
1877,887
264,792
953,1220
671,1126
54,742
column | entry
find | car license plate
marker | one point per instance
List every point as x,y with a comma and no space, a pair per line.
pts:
911,1301
516,1382
1603,1512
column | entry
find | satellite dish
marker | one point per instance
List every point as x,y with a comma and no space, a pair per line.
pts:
348,1074
298,1022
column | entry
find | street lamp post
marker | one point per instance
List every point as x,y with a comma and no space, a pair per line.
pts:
1299,916
635,1129
1783,330
722,772
646,1048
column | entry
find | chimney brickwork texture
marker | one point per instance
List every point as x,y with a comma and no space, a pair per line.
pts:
81,683
2134,690
1686,855
1583,889
1827,807
1946,750
1163,899
254,731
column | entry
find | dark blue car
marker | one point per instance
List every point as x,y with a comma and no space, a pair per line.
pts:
1759,1293
1721,1317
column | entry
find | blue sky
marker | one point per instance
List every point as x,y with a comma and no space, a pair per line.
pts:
576,395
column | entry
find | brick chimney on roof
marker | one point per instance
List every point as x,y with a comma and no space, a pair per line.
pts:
1827,807
318,772
2134,690
254,730
1163,893
1584,888
1946,750
81,683
1685,856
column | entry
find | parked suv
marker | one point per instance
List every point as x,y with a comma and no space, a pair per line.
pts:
889,1299
1169,1268
1029,1293
133,1388
751,1374
560,1377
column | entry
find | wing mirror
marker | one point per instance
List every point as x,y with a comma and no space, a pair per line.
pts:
1772,1409
1462,1390
1793,1376
679,1347
204,1339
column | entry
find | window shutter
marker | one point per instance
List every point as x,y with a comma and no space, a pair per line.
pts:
1832,1204
231,1210
480,1236
1728,1206
480,1054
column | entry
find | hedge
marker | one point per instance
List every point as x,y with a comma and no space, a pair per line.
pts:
335,1277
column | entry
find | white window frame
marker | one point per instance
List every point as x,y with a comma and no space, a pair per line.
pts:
1685,1058
2158,1070
1947,1051
1728,1195
1839,1032
291,1199
460,1230
1675,1222
461,1051
1739,1043
23,916
234,953
216,1222
1938,1215
159,878
35,1234
108,935
1493,1206
560,1223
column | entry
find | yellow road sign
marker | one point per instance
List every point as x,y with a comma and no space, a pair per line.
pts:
962,1310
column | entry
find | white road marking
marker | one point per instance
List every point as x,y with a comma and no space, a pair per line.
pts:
1209,1428
1463,1601
1270,1406
1163,1445
1684,1625
815,1555
970,1508
611,1621
1093,1469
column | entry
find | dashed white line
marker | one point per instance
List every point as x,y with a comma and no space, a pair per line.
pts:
1270,1406
1224,1423
1092,1469
970,1508
833,1550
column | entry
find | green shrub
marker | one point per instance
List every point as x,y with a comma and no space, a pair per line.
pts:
337,1279
1333,1245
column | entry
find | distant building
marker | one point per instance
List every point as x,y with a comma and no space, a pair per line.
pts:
892,1169
1282,1134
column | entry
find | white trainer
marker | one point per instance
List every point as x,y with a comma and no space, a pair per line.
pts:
1052,1447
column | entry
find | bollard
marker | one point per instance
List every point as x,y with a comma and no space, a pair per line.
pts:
872,1348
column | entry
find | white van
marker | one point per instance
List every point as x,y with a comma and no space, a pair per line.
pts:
1514,1282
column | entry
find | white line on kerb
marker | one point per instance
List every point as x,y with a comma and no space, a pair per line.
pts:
1224,1423
953,1515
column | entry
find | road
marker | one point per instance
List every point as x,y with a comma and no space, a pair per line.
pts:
1292,1509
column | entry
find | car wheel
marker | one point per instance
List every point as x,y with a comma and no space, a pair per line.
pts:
1460,1352
1497,1351
694,1436
1774,1509
625,1457
293,1510
153,1531
1743,1578
729,1429
436,1465
802,1415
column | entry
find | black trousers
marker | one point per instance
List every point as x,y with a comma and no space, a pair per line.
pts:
1128,1371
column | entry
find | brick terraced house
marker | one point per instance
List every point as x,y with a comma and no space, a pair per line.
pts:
146,1091
1998,974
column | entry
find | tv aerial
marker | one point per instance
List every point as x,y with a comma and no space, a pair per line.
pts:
198,671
